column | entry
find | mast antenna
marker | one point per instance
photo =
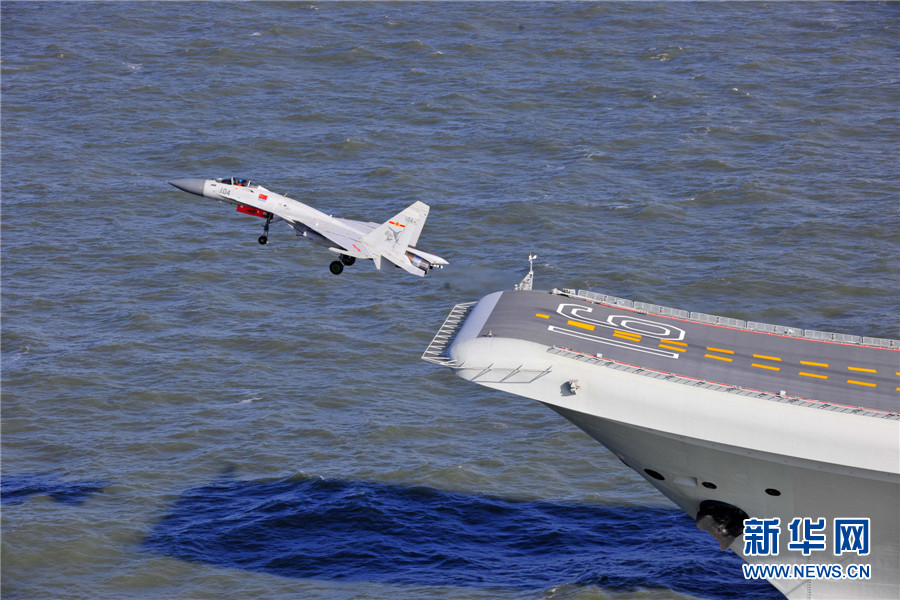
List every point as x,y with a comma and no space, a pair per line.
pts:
526,282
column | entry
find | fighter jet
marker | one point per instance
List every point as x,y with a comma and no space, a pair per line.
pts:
394,239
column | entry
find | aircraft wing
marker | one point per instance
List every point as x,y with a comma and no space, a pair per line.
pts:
346,235
392,239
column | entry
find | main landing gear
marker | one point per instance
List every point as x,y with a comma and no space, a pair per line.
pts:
265,236
337,267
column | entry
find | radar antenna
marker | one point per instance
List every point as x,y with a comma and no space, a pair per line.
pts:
526,282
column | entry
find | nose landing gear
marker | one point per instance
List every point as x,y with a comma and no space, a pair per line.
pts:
265,236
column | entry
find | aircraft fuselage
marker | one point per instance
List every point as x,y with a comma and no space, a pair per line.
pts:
394,239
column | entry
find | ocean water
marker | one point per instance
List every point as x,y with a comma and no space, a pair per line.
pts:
188,414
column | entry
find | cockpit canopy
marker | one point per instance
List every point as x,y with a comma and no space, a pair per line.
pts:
239,181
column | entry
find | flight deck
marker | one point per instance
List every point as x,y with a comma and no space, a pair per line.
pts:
841,373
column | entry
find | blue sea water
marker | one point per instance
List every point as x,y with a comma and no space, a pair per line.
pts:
371,532
188,414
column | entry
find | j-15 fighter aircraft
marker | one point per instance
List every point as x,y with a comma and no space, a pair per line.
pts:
394,240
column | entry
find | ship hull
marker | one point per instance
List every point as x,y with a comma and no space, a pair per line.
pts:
807,488
714,447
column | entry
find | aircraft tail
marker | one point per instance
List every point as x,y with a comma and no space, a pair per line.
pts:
400,232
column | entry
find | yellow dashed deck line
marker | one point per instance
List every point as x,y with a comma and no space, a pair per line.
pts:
679,346
724,358
816,375
582,325
813,364
768,367
865,383
632,337
675,348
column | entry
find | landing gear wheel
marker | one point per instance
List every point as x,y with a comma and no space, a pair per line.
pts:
336,267
348,260
264,237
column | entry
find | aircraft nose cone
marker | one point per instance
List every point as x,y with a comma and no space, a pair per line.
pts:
194,186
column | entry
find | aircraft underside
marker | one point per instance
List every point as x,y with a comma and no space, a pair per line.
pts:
336,267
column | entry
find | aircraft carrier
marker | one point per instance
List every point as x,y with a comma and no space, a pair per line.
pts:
731,420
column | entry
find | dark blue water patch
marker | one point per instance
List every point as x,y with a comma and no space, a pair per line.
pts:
365,531
16,489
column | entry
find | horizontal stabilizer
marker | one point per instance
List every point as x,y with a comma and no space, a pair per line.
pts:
404,263
433,259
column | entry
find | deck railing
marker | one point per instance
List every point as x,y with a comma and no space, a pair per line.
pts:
655,309
437,350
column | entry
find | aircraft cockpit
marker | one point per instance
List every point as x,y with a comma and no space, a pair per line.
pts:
238,181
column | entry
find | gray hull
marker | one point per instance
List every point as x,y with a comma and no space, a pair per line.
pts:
791,426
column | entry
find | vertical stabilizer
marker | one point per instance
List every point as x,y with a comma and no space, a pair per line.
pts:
400,232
